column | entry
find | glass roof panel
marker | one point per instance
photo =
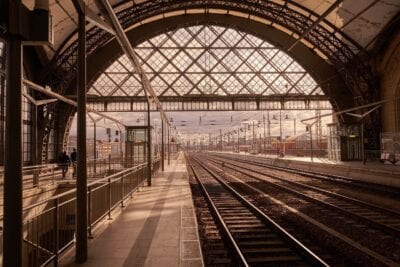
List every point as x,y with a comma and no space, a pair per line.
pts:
205,60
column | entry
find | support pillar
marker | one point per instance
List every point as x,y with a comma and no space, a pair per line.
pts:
81,181
162,145
12,231
148,145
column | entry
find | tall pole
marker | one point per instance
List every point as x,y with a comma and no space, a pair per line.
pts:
238,147
254,138
94,146
265,149
148,146
269,130
311,144
220,136
294,126
168,149
245,126
81,181
162,145
280,131
12,231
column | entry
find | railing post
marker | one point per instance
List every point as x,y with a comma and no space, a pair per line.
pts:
90,213
56,229
109,199
122,191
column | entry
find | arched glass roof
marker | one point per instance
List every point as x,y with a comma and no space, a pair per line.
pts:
208,60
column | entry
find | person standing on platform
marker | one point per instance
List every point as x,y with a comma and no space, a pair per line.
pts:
73,161
63,163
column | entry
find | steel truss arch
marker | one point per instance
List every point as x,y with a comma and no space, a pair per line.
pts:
341,54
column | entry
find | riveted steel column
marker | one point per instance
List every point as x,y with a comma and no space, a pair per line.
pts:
162,145
12,231
81,181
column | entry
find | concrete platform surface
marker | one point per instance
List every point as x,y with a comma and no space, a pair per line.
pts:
157,228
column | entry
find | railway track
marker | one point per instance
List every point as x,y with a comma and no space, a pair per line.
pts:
382,189
380,218
254,238
355,214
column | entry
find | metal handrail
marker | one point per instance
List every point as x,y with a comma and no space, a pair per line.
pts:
59,217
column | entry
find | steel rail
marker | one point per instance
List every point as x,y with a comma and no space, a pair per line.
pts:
360,202
383,227
318,175
232,243
322,226
297,245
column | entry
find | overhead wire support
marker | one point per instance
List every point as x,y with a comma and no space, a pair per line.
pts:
107,11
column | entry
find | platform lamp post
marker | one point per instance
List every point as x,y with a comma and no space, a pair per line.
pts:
35,156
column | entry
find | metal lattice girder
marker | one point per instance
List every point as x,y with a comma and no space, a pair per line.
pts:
207,60
325,37
340,49
130,53
222,103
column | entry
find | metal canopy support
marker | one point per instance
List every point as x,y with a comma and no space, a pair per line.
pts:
12,231
50,93
81,251
126,46
378,103
315,23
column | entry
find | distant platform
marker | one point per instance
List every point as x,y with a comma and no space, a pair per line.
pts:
158,227
373,172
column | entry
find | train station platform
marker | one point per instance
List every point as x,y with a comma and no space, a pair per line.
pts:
373,171
157,228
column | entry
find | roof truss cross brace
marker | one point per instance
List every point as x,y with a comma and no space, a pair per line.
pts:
108,12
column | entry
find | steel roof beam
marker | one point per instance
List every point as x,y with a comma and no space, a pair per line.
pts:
126,46
315,23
